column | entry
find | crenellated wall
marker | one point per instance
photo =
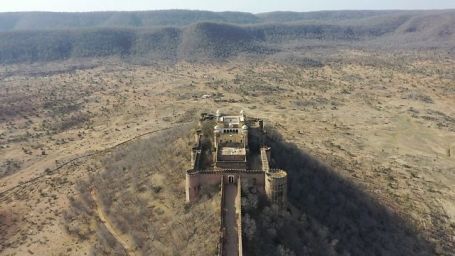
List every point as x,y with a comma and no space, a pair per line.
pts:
222,230
196,152
196,179
230,162
238,207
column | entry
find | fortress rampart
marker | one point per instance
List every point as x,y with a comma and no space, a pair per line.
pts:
238,207
236,140
196,179
276,187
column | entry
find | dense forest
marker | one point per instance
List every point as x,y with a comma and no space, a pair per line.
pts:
194,35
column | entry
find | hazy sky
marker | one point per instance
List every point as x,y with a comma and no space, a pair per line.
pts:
219,5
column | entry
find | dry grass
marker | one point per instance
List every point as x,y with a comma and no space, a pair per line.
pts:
384,123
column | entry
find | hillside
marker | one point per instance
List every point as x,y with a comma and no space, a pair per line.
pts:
147,19
194,35
93,152
139,19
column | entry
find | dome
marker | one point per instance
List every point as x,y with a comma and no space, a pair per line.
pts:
216,128
245,127
218,113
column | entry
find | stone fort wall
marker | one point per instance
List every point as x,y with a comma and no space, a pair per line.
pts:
196,179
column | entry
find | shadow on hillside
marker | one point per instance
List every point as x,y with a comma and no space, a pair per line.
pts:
358,223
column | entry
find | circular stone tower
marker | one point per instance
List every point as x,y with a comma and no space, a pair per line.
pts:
276,187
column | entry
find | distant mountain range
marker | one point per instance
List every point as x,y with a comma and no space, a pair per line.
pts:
193,35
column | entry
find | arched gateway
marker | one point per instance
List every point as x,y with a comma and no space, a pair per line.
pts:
230,152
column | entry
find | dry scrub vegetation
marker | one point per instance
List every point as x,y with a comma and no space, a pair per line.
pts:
328,215
381,122
141,191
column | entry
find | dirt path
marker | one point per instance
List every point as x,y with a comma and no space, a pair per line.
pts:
5,192
109,225
230,223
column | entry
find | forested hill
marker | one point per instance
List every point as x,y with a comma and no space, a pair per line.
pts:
192,35
138,19
147,19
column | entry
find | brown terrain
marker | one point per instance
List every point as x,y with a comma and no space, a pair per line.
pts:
93,152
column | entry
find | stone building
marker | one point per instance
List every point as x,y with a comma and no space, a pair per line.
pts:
236,150
230,152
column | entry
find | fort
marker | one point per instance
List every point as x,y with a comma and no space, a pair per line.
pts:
230,152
